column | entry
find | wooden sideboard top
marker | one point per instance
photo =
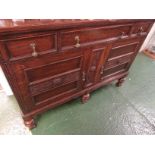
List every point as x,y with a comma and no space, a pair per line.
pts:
24,25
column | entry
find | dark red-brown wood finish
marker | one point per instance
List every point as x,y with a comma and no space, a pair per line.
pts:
50,62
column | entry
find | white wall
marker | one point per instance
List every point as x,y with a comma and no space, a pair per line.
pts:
147,40
5,84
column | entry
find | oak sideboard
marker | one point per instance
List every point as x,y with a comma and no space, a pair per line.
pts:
50,62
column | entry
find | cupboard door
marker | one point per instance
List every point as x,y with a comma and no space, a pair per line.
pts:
93,58
48,79
119,57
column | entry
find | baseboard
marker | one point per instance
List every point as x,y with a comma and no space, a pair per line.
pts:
149,54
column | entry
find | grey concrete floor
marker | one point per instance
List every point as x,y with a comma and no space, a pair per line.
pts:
11,122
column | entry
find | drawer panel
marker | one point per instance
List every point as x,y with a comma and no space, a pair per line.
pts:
22,47
114,70
92,34
118,61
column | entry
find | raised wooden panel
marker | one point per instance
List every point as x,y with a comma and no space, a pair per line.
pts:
56,93
88,35
55,82
114,70
123,49
45,71
96,55
113,62
21,47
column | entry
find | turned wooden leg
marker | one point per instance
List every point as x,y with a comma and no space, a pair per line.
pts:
120,82
85,98
29,122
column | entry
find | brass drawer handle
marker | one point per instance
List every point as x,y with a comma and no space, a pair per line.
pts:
102,69
122,34
83,76
34,53
141,30
77,39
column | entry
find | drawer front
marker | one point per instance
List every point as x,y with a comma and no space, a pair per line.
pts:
70,38
142,27
24,47
113,62
48,79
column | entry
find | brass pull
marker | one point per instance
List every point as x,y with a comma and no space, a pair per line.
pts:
122,34
33,46
77,39
102,69
141,30
83,76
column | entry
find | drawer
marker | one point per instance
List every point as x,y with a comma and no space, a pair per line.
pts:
142,27
77,37
26,46
111,63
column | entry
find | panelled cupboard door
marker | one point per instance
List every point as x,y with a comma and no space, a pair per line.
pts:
93,58
119,57
48,78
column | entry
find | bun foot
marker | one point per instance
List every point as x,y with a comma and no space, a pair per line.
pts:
120,82
85,98
30,123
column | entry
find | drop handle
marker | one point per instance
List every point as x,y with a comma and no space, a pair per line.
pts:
77,39
141,30
122,34
34,53
102,69
83,76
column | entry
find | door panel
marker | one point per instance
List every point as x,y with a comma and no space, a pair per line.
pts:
44,80
57,92
92,70
52,69
119,57
114,70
